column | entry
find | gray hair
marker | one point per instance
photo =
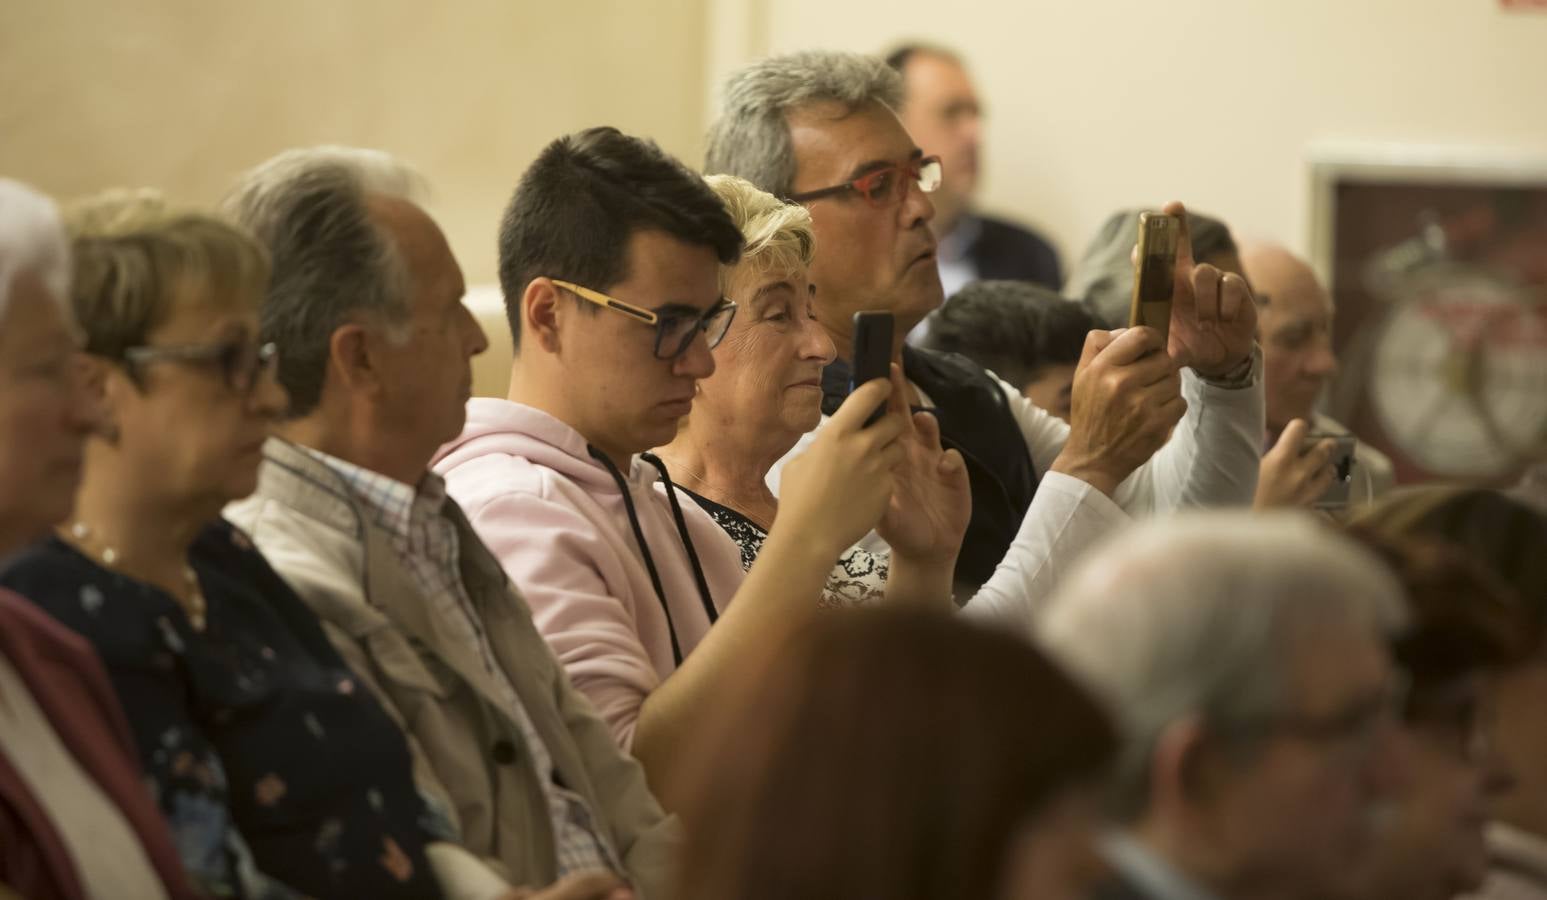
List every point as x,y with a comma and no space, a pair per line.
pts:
331,260
751,136
1195,615
32,239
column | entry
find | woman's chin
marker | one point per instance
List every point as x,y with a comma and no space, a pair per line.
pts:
799,422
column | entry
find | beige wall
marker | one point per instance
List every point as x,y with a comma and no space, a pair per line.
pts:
1093,105
183,94
1099,104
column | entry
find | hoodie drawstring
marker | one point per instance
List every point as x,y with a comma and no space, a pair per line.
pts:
644,548
682,529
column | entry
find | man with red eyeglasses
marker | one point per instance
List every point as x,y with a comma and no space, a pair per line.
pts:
820,128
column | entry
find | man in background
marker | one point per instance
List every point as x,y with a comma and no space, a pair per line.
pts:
1294,327
942,113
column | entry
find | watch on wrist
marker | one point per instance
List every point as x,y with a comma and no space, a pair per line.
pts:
1238,377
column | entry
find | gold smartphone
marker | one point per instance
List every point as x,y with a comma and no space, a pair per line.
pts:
1154,275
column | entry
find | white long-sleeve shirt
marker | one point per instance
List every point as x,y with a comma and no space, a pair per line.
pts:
1210,460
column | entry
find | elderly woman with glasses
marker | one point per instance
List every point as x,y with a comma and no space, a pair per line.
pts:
279,775
766,391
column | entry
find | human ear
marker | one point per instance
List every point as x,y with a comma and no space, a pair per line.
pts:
540,315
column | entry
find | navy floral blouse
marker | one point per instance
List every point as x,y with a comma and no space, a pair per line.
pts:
280,775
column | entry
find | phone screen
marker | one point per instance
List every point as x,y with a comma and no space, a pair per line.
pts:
1155,278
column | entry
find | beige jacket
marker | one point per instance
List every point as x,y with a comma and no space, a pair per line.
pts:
468,753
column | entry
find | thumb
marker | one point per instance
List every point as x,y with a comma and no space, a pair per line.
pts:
951,464
858,406
1096,340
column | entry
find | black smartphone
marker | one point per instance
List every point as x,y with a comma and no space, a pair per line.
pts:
1154,277
872,356
1342,462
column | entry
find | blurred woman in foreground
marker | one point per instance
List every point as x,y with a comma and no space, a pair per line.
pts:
899,754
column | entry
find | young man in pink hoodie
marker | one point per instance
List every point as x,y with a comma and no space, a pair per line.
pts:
609,260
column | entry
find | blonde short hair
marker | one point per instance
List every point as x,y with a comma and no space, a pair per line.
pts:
137,261
778,235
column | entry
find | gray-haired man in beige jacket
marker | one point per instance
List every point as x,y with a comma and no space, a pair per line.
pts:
374,344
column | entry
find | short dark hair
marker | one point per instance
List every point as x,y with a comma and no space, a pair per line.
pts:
577,205
1012,328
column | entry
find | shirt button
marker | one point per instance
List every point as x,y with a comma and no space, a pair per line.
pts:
504,752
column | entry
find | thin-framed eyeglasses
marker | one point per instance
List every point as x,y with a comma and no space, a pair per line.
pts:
674,333
1355,728
240,362
883,187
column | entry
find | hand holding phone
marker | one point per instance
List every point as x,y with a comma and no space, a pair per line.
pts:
1338,493
1306,469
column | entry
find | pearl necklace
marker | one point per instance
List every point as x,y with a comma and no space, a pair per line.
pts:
194,605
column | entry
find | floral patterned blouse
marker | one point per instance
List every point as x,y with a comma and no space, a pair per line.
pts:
280,775
858,579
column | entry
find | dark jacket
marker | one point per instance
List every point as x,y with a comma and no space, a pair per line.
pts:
1004,251
975,419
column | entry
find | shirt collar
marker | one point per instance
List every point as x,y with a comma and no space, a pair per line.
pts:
1148,872
393,505
954,244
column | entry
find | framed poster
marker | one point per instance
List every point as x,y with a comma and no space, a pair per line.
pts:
1437,261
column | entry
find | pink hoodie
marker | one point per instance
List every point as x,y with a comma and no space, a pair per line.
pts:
557,521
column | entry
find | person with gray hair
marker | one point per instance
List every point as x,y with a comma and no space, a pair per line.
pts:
75,818
1294,320
820,129
1245,658
35,305
366,299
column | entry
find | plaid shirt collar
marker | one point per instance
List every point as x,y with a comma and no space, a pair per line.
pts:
401,509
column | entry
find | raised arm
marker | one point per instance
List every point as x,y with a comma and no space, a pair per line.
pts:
831,495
